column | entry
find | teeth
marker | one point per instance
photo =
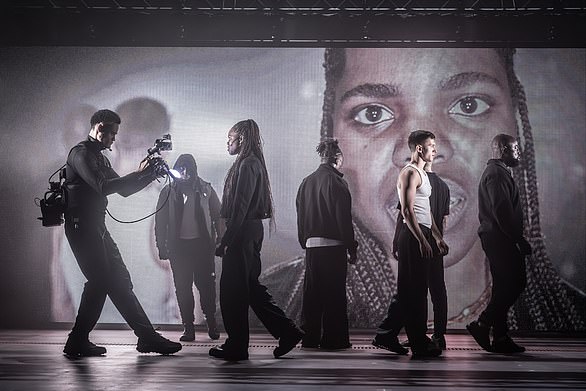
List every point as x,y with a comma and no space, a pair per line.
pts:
458,202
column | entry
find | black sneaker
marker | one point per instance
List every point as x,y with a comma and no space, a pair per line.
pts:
224,354
439,341
156,343
428,350
82,348
390,343
506,345
188,333
287,343
481,334
407,344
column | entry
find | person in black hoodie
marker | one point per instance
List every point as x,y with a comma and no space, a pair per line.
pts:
187,224
89,180
501,234
246,201
324,226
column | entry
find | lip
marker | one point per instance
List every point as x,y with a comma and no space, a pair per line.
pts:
458,204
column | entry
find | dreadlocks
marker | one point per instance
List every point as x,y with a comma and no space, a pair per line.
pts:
251,144
328,150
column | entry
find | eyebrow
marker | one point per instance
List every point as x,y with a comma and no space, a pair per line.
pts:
382,90
370,90
466,79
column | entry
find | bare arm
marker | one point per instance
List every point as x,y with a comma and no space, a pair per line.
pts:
439,240
409,181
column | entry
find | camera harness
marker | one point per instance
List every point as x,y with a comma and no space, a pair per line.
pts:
54,201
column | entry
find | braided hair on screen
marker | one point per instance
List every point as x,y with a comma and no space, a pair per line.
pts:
548,303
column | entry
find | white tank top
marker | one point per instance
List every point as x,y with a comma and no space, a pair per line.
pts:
421,206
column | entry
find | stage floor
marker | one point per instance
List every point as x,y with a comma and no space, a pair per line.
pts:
33,360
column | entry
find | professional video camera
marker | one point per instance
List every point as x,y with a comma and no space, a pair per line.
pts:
54,201
161,144
159,165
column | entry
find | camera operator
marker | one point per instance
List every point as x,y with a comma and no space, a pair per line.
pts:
89,180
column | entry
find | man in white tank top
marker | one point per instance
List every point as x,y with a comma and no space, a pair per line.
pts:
409,307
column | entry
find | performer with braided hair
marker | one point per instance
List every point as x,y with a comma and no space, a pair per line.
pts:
246,201
324,226
373,98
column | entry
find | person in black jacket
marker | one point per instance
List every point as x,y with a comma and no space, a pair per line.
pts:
246,201
89,180
324,226
501,234
186,226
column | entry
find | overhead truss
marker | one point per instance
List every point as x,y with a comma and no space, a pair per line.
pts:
305,6
520,23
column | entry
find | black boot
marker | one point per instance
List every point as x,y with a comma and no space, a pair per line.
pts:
156,343
82,347
188,333
212,328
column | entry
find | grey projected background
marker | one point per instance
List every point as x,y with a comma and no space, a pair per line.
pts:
47,96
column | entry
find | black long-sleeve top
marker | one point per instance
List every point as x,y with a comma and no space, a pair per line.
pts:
499,206
90,178
324,207
250,201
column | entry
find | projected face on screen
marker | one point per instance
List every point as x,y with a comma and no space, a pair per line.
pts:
371,100
461,96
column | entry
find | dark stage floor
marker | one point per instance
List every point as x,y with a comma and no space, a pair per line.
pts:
32,360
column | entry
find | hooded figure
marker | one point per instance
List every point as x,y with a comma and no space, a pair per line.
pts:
186,227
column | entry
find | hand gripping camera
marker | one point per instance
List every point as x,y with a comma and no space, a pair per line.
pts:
54,201
160,167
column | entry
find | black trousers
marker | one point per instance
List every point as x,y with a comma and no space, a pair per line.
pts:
193,262
507,268
324,298
240,289
438,294
409,306
101,263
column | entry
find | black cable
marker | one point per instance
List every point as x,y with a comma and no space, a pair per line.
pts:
168,180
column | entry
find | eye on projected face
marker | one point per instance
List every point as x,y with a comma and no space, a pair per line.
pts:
469,106
374,114
462,96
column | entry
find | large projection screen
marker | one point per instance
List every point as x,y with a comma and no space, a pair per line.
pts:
196,94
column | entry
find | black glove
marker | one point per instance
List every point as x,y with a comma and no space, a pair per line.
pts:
524,247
